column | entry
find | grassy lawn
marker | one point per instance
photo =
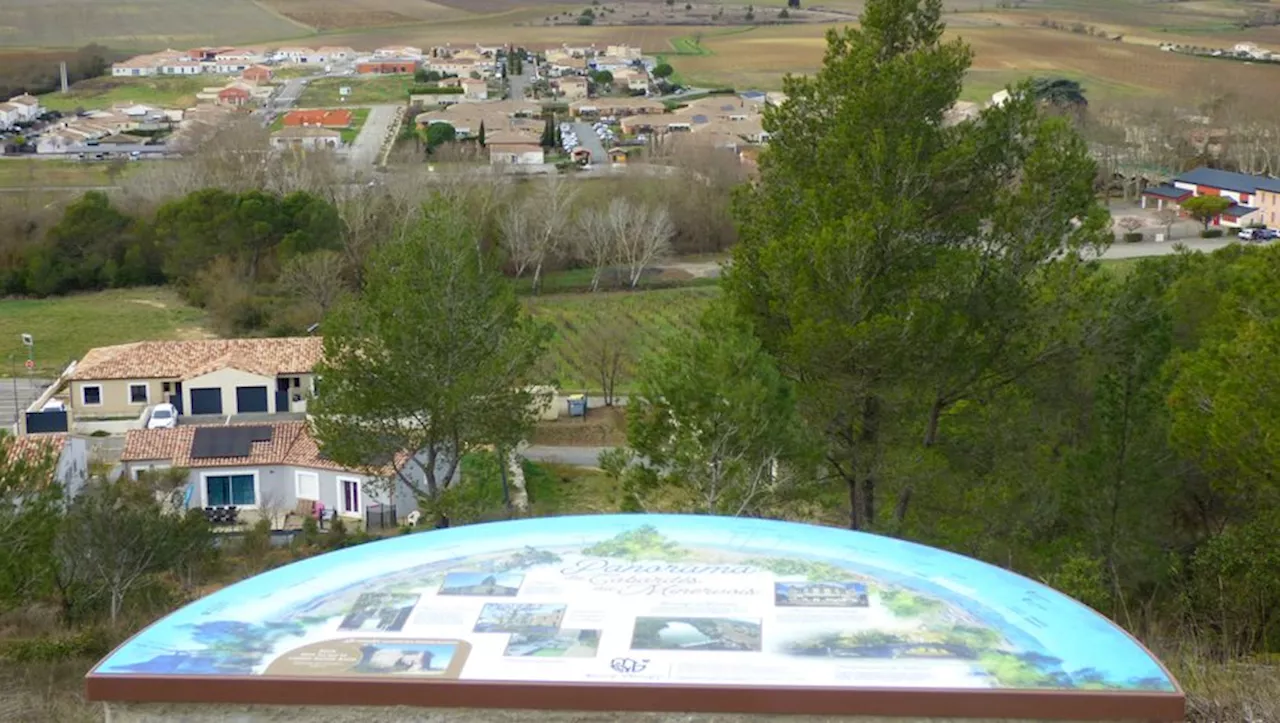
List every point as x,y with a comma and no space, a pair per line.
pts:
32,173
358,117
96,93
323,92
66,327
644,317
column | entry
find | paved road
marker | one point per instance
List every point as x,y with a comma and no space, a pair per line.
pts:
23,391
588,139
519,83
364,150
1121,250
289,94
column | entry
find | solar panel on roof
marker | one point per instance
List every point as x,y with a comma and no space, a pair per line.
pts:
214,442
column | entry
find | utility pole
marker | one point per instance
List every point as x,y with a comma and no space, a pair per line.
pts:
17,415
62,70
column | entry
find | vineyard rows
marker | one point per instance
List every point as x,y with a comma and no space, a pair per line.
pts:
643,318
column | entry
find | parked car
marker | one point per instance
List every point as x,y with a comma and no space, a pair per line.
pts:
54,405
1257,234
164,416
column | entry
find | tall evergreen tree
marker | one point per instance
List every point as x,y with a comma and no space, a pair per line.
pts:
898,265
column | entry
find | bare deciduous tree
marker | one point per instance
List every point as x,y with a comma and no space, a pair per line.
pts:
1130,224
643,235
1167,217
609,351
547,216
315,278
594,244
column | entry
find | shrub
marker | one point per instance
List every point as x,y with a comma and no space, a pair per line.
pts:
1211,233
88,643
1133,237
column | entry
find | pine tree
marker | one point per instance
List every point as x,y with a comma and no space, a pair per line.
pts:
482,133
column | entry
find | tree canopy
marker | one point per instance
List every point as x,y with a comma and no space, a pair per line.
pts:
434,359
946,255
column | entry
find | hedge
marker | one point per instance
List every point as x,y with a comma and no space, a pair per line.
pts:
1211,233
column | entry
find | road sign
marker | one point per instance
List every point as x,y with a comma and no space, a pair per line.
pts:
31,364
27,340
344,90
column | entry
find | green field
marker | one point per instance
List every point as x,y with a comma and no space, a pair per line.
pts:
66,327
33,173
140,24
97,93
323,92
643,317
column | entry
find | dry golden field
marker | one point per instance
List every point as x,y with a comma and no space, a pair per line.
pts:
337,14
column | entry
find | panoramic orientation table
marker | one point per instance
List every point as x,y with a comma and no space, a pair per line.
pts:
633,618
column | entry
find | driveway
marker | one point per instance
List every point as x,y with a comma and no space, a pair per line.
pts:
363,153
588,139
289,94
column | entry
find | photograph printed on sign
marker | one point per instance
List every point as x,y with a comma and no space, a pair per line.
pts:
386,612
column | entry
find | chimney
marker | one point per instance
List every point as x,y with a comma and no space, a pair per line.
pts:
63,71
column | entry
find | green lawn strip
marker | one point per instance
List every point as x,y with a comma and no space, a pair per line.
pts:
32,173
99,93
323,92
66,327
358,117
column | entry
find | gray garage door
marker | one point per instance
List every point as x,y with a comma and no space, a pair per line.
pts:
206,401
251,399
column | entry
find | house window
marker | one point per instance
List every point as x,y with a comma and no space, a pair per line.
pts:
308,486
168,387
139,394
231,489
348,496
297,382
91,395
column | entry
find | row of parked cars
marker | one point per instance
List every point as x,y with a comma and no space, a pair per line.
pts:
1258,234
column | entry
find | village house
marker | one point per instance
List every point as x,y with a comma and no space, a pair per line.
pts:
523,154
622,51
267,469
204,377
398,51
23,108
306,138
335,53
451,66
256,74
139,66
471,89
619,107
496,116
70,456
631,79
182,66
1254,198
567,66
572,87
234,96
387,66
612,63
318,118
297,55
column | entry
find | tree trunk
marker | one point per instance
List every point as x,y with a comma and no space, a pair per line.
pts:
855,516
537,278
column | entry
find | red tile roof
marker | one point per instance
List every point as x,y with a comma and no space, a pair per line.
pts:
189,359
322,118
291,444
31,447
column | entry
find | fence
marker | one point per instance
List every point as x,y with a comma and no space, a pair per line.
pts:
380,517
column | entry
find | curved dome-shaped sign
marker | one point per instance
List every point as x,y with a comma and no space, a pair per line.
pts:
593,612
